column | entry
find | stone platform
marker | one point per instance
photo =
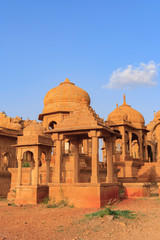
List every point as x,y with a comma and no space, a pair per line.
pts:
30,194
85,195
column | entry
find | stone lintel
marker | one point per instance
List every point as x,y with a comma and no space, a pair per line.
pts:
92,133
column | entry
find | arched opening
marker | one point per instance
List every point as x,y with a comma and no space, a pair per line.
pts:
51,125
28,165
101,150
27,159
6,161
150,153
118,143
135,146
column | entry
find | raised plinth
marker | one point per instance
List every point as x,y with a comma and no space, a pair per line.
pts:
85,195
30,194
136,190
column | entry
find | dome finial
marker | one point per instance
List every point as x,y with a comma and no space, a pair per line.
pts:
67,80
124,100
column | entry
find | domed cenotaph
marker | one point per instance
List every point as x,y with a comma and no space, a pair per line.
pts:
59,156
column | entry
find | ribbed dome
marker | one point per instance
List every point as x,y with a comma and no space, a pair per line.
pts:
65,97
133,115
34,128
157,115
125,112
117,115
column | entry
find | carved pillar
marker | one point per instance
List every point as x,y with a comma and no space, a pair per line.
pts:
123,142
140,146
110,168
85,146
90,147
19,177
130,143
58,161
104,152
158,150
75,152
31,172
95,157
47,170
154,153
35,179
146,150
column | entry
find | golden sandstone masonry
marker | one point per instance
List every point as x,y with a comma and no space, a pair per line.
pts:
59,156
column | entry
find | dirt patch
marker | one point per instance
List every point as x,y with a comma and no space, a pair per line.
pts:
39,222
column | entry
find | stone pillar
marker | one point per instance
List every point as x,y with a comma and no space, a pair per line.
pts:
130,143
95,157
19,177
58,161
90,147
31,172
110,168
35,180
104,152
158,151
85,146
154,153
123,142
75,151
47,170
146,150
140,146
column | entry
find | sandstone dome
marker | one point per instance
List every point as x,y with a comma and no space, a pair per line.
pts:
34,128
117,115
65,97
133,116
157,116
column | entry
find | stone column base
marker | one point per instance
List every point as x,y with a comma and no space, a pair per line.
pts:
30,194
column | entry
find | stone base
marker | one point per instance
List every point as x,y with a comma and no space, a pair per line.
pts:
136,190
158,184
85,195
5,183
30,194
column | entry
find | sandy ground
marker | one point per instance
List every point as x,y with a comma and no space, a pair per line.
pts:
40,222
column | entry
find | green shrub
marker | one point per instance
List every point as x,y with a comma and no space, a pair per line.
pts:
116,213
26,164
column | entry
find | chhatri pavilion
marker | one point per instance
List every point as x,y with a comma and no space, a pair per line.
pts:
58,157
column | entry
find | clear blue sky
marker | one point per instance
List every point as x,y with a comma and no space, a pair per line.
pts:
44,42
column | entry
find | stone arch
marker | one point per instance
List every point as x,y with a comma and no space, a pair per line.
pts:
28,165
51,125
118,142
27,159
135,145
6,161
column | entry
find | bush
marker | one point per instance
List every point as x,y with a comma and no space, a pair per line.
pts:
26,164
116,213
